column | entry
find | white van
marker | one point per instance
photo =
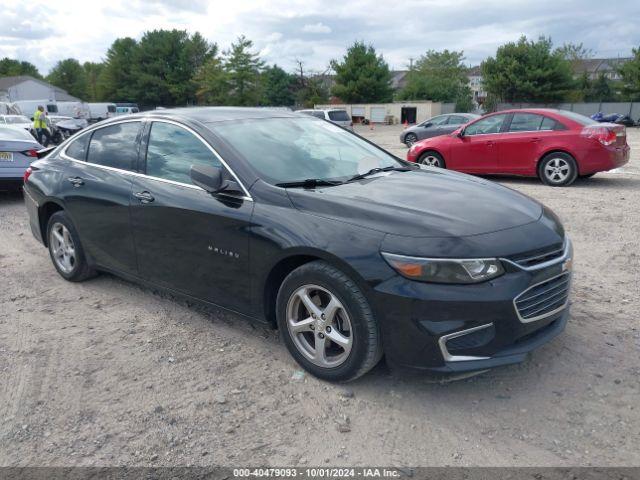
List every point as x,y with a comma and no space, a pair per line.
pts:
28,107
100,111
74,109
126,110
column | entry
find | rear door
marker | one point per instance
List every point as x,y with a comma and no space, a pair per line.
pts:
96,191
187,239
524,141
477,150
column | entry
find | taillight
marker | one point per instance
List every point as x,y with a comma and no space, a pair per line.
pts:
27,174
31,153
605,135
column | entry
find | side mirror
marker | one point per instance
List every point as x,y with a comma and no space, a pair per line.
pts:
212,179
206,177
460,133
427,125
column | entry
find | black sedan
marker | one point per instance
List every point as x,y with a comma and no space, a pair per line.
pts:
349,251
436,126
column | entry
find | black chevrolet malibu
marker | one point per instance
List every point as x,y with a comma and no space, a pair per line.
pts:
293,221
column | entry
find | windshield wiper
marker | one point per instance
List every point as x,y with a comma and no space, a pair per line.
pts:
310,183
360,176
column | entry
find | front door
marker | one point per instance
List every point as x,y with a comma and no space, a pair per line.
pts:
96,190
187,239
477,150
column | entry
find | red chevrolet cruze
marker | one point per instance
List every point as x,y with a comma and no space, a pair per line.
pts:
555,145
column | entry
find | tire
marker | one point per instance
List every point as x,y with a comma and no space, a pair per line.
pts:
558,169
72,265
432,159
351,322
410,139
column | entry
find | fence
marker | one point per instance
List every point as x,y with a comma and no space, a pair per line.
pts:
625,108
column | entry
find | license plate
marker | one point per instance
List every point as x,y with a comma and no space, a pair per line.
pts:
6,156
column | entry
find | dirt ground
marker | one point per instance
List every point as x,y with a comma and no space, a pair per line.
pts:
109,373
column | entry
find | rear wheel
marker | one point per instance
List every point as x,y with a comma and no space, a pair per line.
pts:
66,250
431,159
410,139
558,169
327,324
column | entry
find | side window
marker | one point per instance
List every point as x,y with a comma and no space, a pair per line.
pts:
525,122
319,114
441,120
551,124
457,120
115,146
490,124
172,150
78,148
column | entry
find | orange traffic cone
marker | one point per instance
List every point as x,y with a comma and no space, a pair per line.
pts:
406,124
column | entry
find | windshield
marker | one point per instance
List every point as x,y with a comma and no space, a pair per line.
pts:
292,149
16,119
339,116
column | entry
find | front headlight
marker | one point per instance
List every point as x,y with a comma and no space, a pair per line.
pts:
445,270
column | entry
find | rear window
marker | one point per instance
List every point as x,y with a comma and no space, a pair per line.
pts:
339,116
525,122
78,148
52,108
576,117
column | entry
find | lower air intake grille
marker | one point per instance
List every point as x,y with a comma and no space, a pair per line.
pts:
544,298
475,339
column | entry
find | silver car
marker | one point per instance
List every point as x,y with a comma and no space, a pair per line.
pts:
440,125
337,116
18,149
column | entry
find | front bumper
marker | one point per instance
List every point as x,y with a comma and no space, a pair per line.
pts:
461,328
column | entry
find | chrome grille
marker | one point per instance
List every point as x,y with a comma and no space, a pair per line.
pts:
543,299
536,257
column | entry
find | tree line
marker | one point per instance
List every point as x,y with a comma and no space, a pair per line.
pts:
173,68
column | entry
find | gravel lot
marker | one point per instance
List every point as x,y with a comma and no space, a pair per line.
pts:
109,373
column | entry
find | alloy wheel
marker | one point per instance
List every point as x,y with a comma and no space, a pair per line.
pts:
410,139
430,161
62,247
319,326
557,170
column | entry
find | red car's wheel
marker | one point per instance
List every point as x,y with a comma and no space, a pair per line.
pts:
431,159
558,169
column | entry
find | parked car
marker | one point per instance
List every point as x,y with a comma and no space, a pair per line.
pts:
18,149
16,121
556,146
432,127
349,250
101,111
126,110
337,116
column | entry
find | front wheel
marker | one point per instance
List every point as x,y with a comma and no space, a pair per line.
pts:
431,159
327,324
558,169
410,139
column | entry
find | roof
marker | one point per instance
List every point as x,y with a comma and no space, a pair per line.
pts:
61,95
594,65
219,114
475,71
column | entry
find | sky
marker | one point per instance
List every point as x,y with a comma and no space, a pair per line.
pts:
316,31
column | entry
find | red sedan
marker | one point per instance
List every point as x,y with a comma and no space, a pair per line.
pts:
555,145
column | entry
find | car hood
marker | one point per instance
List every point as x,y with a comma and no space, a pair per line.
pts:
424,203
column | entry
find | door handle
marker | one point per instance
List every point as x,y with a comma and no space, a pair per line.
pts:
76,181
534,140
490,144
144,197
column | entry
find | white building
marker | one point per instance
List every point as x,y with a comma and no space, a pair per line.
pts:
25,87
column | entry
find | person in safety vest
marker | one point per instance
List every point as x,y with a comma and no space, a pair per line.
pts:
40,126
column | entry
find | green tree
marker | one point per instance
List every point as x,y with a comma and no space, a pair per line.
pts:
69,75
117,81
243,68
362,76
11,68
630,72
166,62
277,87
441,77
212,85
528,71
92,73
